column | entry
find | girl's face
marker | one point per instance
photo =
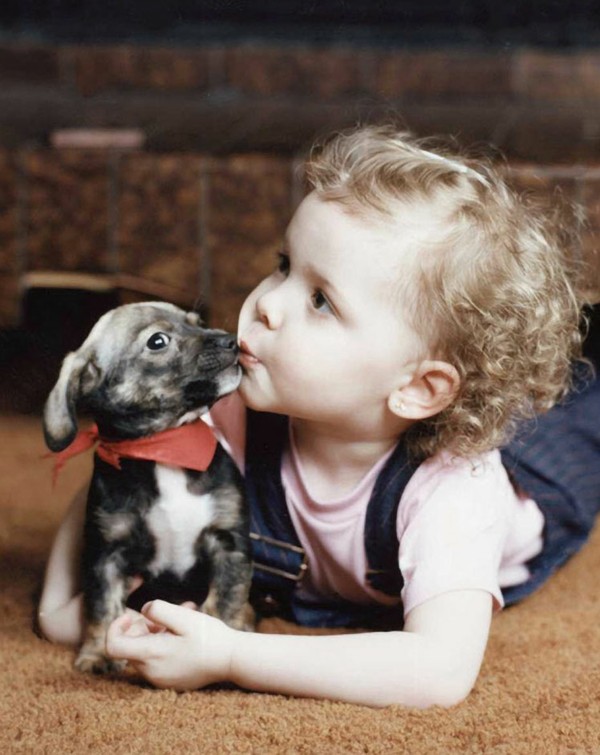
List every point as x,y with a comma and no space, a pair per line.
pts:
324,335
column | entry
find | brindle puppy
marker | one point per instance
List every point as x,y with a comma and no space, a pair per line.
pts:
143,369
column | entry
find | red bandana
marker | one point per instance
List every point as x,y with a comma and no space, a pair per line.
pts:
191,446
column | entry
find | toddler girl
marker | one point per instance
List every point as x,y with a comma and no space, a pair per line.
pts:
419,315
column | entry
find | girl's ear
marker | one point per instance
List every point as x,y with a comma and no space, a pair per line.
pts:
432,388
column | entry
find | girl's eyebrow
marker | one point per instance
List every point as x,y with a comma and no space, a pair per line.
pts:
310,270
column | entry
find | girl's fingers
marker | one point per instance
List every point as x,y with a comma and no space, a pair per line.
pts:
144,624
135,583
122,642
174,618
189,604
133,637
123,622
129,648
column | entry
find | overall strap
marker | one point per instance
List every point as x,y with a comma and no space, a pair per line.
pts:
381,537
279,559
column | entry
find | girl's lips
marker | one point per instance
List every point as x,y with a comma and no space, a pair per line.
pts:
246,357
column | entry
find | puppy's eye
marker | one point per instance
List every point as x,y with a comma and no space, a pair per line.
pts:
158,341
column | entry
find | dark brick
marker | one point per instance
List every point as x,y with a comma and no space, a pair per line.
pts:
316,72
590,196
29,115
248,210
8,213
558,77
159,229
590,245
546,180
67,210
467,122
29,65
555,190
10,300
128,67
440,74
548,135
283,127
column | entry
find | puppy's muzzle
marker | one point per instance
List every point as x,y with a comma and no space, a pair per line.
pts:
220,350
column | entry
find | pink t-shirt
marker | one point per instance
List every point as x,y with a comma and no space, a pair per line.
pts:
461,524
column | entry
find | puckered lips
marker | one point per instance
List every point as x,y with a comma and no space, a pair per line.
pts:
246,358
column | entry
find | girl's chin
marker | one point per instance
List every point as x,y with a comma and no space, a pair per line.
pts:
250,395
255,399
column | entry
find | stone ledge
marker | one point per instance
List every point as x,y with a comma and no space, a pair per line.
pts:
285,125
276,97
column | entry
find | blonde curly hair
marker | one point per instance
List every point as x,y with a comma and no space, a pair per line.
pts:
495,292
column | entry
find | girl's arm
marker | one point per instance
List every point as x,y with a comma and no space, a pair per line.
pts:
60,610
434,661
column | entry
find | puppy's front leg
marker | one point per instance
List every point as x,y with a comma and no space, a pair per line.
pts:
227,597
106,591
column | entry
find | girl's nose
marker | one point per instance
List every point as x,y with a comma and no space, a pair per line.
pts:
268,308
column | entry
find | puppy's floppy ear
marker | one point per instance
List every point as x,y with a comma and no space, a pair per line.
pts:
79,375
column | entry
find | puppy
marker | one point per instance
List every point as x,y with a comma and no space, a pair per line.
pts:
145,369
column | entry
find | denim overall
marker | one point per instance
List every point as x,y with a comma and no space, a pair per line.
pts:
555,458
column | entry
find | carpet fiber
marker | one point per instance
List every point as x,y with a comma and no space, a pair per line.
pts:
538,691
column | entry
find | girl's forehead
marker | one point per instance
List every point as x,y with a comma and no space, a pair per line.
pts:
420,216
350,258
328,231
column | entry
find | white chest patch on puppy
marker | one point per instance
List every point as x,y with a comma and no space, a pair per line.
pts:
176,520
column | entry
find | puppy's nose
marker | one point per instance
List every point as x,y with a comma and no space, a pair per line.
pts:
225,341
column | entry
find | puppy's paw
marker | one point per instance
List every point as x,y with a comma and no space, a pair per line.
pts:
210,605
92,658
94,663
236,616
244,620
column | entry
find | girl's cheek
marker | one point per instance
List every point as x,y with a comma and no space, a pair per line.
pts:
247,308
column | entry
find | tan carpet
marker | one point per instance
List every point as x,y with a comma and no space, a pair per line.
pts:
539,689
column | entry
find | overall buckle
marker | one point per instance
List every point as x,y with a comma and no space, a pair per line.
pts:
273,543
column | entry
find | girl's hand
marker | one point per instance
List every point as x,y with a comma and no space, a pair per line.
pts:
173,646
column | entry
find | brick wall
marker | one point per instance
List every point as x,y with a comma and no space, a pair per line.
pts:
193,229
186,227
198,215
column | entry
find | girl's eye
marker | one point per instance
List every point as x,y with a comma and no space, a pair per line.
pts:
283,264
320,303
158,341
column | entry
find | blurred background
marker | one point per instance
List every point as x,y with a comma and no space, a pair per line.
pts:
153,148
